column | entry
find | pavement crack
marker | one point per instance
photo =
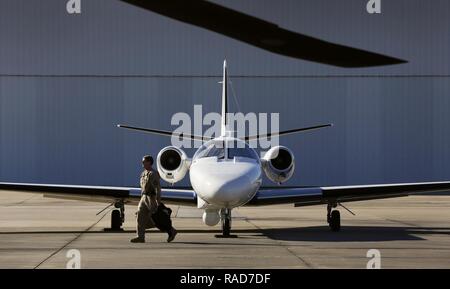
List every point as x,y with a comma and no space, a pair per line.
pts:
71,241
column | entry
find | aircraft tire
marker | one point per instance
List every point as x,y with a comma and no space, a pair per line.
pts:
335,221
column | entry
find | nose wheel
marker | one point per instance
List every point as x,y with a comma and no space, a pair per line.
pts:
226,227
117,217
225,216
333,218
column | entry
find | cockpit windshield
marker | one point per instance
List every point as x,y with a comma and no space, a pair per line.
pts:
233,147
211,149
238,148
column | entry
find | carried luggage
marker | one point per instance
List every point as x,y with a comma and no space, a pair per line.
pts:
161,218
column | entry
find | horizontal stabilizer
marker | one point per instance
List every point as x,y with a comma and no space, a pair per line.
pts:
286,132
165,132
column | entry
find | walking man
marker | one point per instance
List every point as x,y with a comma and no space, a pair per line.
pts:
150,199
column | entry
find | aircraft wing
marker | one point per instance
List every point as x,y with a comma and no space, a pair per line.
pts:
176,196
308,196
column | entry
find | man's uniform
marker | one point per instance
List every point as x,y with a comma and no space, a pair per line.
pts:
150,195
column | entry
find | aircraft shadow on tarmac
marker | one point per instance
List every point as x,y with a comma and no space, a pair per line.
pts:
306,234
353,233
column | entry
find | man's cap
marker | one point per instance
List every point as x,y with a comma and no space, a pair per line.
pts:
147,158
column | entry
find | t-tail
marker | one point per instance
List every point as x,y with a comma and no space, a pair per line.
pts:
224,128
224,121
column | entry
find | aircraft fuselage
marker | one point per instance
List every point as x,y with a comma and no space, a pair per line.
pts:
227,176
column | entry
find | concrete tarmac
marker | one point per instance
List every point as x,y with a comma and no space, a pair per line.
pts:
409,232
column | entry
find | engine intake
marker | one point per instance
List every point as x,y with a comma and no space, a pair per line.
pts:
278,164
173,164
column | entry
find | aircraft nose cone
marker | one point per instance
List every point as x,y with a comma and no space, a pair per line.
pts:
226,190
228,186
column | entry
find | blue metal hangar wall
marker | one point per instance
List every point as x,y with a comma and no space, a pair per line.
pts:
67,80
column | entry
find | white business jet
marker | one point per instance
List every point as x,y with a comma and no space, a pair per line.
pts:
226,173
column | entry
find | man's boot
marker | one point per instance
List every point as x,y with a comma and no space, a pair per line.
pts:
138,240
172,235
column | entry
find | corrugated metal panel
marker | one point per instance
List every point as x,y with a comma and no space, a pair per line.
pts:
63,129
66,80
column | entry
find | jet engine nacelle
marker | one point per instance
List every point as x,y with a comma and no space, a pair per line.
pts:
173,164
278,164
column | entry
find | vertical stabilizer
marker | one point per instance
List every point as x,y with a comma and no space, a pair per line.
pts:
224,100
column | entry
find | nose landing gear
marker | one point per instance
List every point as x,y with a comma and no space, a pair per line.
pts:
117,217
333,217
225,216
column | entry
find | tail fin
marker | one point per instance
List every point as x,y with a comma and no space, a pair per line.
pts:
224,122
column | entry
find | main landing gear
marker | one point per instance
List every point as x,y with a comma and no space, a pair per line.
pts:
225,216
333,217
117,217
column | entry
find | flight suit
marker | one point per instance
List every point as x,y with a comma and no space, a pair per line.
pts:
150,198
